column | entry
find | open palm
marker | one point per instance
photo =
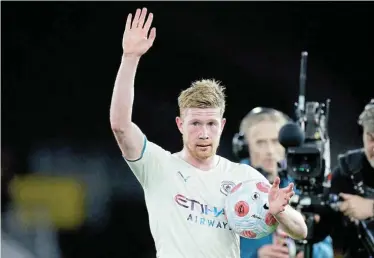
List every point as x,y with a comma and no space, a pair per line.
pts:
279,198
136,40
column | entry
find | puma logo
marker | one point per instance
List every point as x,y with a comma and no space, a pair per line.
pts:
184,178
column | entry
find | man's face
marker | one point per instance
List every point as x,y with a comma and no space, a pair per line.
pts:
368,139
201,129
264,147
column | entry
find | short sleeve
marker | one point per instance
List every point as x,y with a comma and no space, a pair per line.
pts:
149,167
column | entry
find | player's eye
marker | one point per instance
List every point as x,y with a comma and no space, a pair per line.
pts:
255,196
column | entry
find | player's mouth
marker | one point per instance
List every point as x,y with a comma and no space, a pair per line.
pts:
203,145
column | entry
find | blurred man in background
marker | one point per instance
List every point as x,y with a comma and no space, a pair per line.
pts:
353,181
259,143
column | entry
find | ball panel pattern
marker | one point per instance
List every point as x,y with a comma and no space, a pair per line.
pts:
246,212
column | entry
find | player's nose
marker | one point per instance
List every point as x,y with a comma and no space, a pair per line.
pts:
204,133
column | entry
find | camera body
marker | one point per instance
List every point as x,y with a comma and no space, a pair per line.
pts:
307,162
307,148
308,159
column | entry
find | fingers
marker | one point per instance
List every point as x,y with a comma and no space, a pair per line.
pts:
280,240
344,206
148,23
273,251
279,251
281,233
142,16
140,23
287,197
136,19
278,255
349,213
128,22
290,194
289,188
317,218
152,36
345,196
347,208
276,182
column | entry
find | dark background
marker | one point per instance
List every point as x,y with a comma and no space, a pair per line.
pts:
60,59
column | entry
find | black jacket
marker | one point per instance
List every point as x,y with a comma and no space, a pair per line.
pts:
342,231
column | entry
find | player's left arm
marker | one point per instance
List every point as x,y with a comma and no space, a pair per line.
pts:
291,221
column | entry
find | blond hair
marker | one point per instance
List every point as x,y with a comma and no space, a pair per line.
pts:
203,94
258,115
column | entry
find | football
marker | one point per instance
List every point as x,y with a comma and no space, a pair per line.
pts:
247,209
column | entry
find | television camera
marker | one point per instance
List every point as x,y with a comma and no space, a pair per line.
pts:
308,159
307,142
308,162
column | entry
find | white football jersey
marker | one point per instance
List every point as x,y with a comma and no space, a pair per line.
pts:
186,205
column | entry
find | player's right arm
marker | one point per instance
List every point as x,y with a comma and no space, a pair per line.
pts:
141,155
137,39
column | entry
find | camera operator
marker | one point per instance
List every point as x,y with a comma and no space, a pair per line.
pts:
353,181
257,145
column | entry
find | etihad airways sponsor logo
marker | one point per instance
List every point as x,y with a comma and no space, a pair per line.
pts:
203,214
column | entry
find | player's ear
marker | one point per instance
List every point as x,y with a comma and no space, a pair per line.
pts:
179,123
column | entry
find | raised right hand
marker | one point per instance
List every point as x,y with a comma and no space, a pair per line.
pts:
136,40
273,251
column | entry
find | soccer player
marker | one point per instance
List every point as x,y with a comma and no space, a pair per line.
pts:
185,191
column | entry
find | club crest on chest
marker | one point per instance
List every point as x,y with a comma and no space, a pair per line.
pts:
226,187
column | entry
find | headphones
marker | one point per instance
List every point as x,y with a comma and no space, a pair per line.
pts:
239,143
